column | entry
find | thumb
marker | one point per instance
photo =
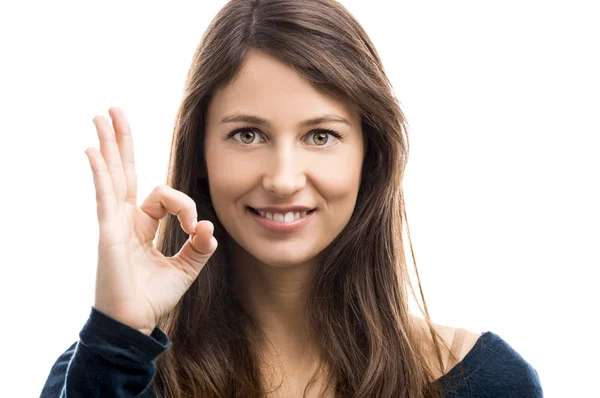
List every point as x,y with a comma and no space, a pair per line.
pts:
199,247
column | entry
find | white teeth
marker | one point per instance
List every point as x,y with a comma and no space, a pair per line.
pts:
284,218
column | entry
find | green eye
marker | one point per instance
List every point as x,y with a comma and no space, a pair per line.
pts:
247,136
320,138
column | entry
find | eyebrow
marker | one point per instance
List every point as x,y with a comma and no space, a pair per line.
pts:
330,118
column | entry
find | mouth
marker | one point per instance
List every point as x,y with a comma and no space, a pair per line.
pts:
284,218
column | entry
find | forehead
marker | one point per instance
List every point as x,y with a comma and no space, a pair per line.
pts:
267,87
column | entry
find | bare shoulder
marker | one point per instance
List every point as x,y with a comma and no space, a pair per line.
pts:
448,334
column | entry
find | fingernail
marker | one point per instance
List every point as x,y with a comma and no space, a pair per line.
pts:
213,243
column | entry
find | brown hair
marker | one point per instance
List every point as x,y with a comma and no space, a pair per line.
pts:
358,304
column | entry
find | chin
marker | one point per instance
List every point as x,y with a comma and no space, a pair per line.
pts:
279,253
280,260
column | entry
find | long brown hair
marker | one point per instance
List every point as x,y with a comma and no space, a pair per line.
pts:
358,304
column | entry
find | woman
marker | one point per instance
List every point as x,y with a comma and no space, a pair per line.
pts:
290,147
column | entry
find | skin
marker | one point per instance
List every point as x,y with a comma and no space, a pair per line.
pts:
287,164
282,164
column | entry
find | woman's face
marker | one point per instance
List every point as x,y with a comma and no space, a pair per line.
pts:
271,148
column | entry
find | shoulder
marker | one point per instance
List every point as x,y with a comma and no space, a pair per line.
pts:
486,365
448,335
493,368
499,362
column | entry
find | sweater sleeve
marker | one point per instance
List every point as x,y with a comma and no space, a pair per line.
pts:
110,359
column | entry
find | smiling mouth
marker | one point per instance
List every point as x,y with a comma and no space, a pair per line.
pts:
288,217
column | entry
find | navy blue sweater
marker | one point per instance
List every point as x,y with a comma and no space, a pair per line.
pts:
112,359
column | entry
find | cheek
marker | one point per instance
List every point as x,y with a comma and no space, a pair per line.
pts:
338,181
338,189
229,177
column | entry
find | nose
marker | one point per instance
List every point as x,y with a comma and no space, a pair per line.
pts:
285,173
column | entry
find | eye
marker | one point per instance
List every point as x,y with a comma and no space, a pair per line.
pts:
249,136
245,135
321,137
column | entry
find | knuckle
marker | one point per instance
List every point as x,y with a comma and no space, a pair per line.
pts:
130,164
190,203
161,189
185,264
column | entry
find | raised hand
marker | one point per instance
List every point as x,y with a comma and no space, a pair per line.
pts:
135,283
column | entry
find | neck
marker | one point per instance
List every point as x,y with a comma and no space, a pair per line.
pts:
276,297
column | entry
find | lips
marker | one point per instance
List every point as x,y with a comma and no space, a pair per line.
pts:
282,209
282,216
281,223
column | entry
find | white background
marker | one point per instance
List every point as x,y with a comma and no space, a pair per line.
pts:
502,185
